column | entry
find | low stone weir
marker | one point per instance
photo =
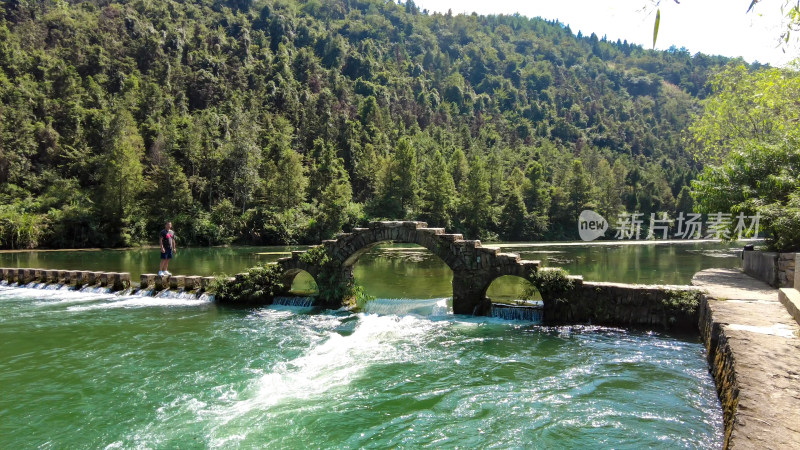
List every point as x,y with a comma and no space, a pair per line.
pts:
174,282
115,281
150,284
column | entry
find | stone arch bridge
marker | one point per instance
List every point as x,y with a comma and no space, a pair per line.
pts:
474,266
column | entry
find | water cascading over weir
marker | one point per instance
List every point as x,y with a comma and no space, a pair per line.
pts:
474,266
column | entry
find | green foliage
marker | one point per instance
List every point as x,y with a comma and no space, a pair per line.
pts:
438,194
746,106
783,223
20,229
120,178
550,283
459,167
334,287
224,223
285,121
681,302
475,210
684,203
759,179
513,219
257,286
749,134
361,297
286,186
579,188
398,186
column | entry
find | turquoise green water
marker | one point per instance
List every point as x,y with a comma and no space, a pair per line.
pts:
88,370
101,371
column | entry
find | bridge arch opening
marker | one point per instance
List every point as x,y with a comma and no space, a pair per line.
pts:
512,290
402,270
513,297
300,282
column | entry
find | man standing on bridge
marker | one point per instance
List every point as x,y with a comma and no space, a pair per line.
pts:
167,241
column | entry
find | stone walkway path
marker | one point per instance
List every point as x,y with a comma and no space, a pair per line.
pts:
765,348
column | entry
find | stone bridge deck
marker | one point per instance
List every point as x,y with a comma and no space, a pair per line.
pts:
474,266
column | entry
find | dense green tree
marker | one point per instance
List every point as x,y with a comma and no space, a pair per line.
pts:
326,168
286,187
475,209
684,203
514,218
438,193
578,189
243,157
404,168
759,179
536,193
748,135
168,185
747,106
334,205
494,169
398,188
608,190
459,167
120,177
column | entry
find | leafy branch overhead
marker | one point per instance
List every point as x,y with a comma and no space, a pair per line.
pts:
790,10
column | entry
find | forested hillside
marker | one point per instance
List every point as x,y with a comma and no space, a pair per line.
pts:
285,121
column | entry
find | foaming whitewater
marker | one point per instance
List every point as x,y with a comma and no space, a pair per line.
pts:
97,297
403,306
181,294
134,301
326,368
50,295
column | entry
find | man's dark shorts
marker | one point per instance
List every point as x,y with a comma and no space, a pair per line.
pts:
167,254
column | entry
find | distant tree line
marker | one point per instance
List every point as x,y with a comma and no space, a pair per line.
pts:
266,122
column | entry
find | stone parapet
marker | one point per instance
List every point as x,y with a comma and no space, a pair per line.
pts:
797,271
775,269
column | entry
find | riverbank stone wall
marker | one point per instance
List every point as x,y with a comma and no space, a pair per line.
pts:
625,305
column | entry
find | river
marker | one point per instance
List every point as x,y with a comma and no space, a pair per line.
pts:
89,370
